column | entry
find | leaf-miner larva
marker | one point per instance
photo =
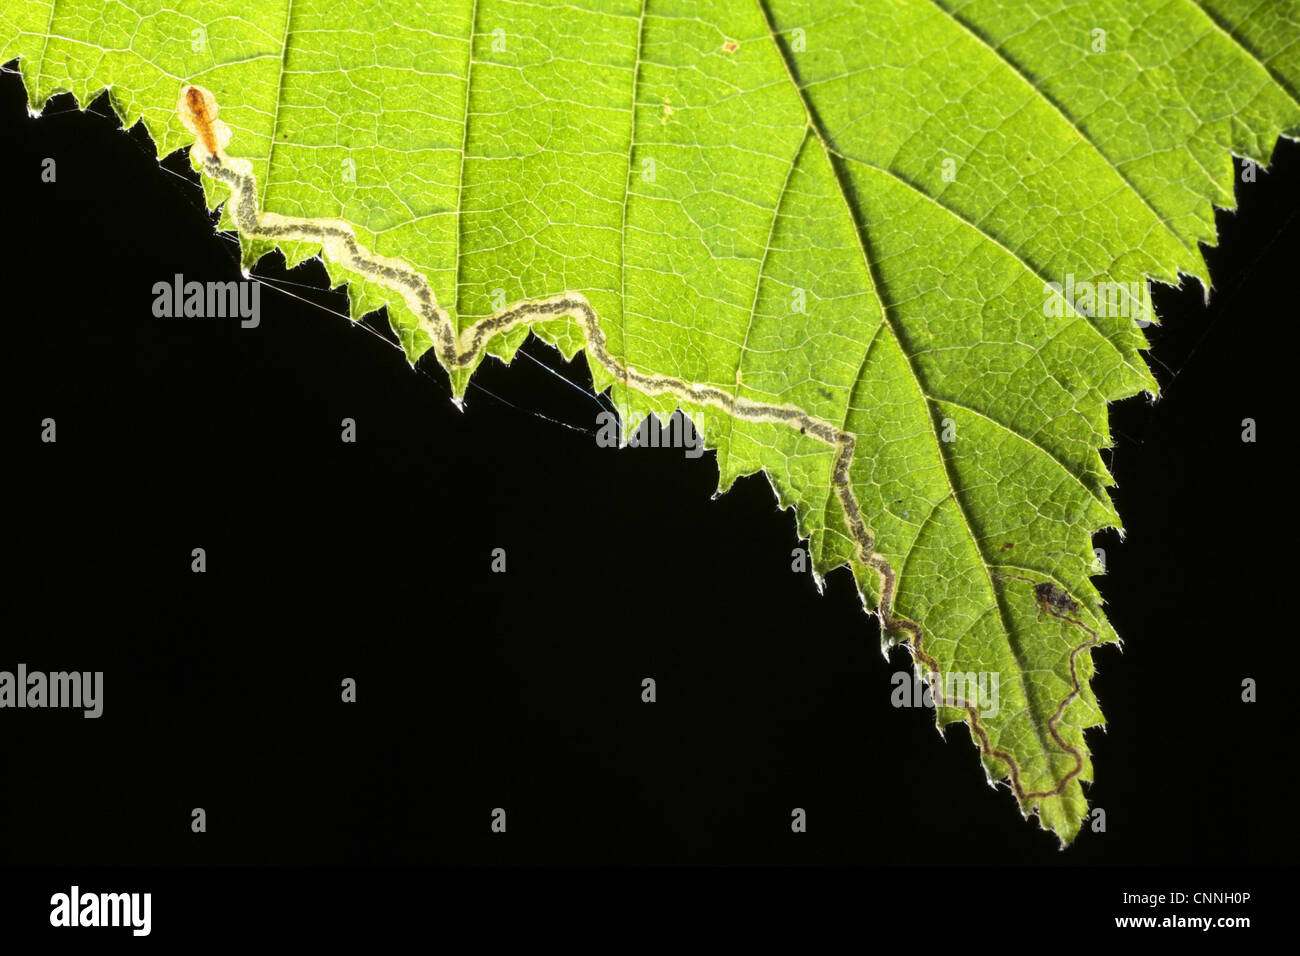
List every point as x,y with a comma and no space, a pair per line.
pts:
198,112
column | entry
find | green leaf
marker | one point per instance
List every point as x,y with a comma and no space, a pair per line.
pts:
824,230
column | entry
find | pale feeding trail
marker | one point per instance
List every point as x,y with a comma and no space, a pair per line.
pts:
198,111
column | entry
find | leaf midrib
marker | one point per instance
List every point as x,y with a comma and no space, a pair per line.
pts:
464,148
858,229
279,97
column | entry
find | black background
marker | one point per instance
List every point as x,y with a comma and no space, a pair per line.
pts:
477,690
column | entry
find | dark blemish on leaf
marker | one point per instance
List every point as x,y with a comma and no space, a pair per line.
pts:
731,46
1053,600
1050,598
1008,546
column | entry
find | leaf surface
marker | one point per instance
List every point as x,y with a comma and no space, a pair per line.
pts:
827,231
